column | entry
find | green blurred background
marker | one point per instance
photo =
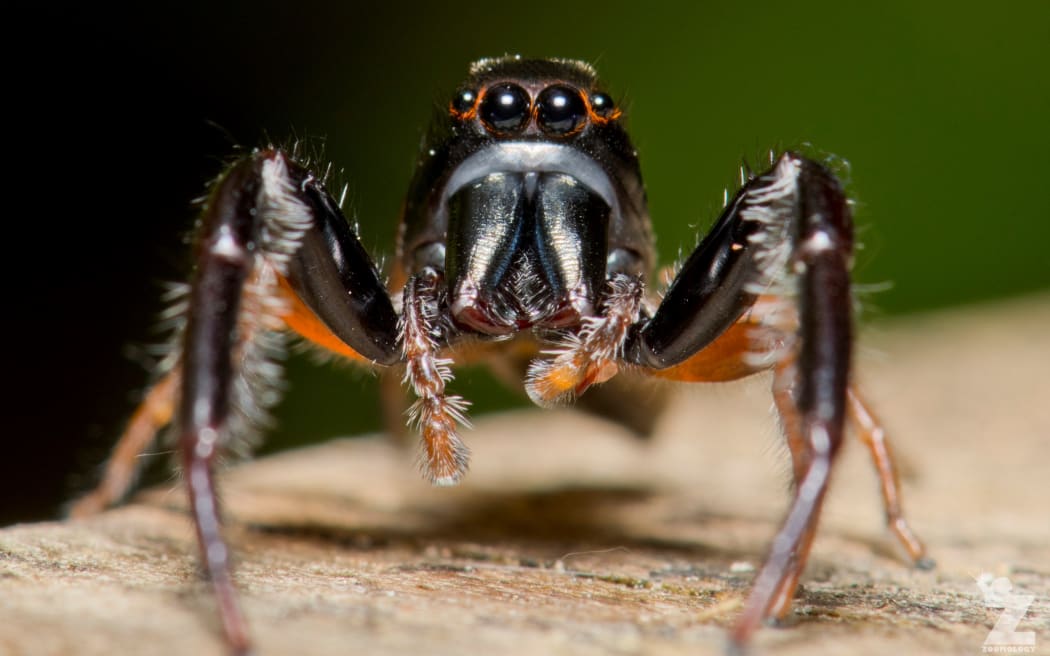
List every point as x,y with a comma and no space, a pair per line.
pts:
940,108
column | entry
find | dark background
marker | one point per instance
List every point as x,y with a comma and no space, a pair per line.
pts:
121,118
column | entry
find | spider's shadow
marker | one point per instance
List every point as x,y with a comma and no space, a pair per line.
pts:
553,521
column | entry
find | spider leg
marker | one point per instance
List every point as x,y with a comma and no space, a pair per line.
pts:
820,256
273,252
153,413
746,347
787,233
871,432
785,380
156,410
267,219
743,349
740,352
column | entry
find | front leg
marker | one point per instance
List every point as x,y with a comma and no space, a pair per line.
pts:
273,252
267,226
787,234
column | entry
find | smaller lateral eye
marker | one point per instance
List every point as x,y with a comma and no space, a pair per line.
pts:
602,104
561,110
505,108
464,101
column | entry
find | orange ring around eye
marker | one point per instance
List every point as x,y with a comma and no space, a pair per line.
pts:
470,113
597,118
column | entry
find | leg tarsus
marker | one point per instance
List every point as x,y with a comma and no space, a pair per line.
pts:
788,619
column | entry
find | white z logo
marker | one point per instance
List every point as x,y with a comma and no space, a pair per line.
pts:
998,593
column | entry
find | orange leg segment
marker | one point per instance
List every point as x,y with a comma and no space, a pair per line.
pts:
791,424
871,432
301,320
730,357
153,413
742,350
725,359
156,409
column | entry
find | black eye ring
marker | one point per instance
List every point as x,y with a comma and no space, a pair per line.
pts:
505,108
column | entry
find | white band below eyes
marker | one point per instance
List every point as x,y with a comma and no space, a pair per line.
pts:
532,156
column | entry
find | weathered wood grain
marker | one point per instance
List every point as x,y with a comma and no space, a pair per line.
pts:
570,537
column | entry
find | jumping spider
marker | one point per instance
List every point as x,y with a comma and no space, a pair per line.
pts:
525,223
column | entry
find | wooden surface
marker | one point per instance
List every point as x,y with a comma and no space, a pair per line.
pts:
569,537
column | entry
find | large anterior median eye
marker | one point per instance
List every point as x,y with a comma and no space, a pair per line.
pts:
561,110
505,108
